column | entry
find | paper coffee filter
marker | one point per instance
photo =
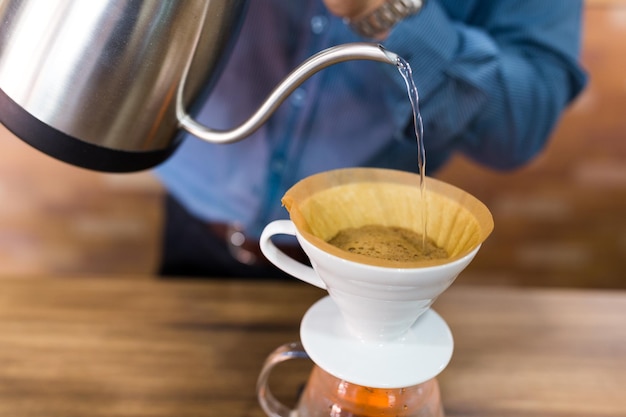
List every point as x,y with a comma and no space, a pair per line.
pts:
322,205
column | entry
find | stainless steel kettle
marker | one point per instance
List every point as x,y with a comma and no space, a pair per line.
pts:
107,84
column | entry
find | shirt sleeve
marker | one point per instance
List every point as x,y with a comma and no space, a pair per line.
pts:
493,81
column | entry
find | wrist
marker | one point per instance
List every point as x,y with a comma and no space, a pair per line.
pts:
377,23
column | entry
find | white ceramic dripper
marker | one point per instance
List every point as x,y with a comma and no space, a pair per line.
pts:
379,301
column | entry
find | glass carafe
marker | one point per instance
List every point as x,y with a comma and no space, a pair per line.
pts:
327,395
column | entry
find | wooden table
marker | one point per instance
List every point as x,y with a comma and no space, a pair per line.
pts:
144,347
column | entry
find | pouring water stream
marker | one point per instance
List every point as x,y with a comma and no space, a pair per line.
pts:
405,70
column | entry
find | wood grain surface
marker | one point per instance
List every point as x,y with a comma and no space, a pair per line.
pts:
143,347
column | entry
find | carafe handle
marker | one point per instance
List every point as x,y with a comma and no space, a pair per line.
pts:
269,403
282,260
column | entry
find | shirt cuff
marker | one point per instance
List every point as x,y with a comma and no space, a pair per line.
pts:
428,41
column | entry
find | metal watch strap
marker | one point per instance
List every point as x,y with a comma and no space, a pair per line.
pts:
385,17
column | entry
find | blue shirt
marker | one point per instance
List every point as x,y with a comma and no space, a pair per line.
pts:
493,78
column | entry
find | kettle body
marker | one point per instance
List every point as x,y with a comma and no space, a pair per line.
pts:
96,83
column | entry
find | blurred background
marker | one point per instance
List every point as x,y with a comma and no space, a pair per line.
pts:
560,221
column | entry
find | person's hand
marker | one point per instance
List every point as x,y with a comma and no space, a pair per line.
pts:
352,9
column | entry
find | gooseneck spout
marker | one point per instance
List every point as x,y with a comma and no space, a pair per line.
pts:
319,61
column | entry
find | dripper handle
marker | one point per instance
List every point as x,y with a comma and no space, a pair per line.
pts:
282,260
269,403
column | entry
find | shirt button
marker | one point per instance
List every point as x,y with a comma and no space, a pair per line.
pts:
298,97
319,24
278,165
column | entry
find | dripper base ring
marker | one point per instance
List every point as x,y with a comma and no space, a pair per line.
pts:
418,356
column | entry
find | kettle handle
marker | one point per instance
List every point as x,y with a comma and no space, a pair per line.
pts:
319,61
269,403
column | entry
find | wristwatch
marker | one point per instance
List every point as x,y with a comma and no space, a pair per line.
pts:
385,17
